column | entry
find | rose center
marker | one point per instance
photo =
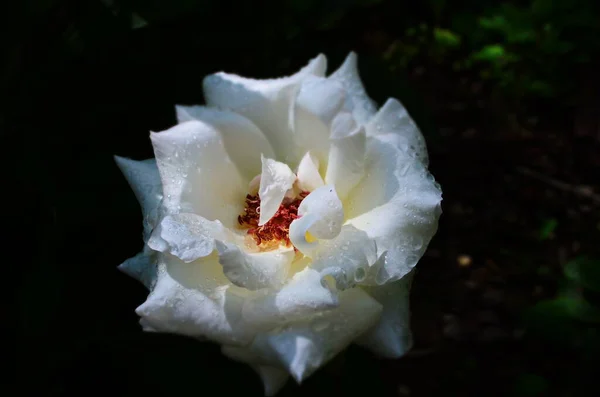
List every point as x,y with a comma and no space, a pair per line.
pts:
276,231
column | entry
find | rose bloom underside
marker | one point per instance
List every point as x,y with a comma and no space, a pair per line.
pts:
284,219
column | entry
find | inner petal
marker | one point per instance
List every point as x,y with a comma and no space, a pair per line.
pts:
309,178
320,216
275,180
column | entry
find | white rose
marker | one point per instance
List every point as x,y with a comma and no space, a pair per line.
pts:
283,220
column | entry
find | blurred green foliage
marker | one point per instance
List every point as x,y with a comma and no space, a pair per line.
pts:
548,228
570,319
532,48
569,324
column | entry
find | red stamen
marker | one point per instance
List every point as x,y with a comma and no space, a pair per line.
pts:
277,229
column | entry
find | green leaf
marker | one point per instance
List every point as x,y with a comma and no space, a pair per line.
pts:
541,88
584,272
497,22
581,309
548,228
491,53
562,320
446,37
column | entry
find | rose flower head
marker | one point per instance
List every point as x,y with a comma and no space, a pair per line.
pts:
283,220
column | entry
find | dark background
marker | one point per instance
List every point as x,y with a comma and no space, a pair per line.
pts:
505,301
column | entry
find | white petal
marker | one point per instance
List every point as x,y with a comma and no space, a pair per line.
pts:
393,120
357,100
197,174
317,103
398,205
255,270
243,141
321,214
144,179
275,180
309,178
146,327
347,258
304,295
303,347
187,236
346,163
273,378
391,337
267,103
142,267
195,299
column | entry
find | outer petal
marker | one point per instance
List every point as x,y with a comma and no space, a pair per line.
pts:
303,347
346,163
391,337
303,296
398,205
357,100
243,141
347,258
317,103
321,214
275,180
267,103
142,267
195,299
273,378
197,173
393,121
144,179
188,236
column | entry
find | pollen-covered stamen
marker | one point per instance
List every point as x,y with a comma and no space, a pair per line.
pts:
276,230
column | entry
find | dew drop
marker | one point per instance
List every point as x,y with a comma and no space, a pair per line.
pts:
328,281
360,274
411,260
418,242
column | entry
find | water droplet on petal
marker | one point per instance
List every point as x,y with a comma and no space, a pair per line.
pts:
360,274
418,242
411,260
